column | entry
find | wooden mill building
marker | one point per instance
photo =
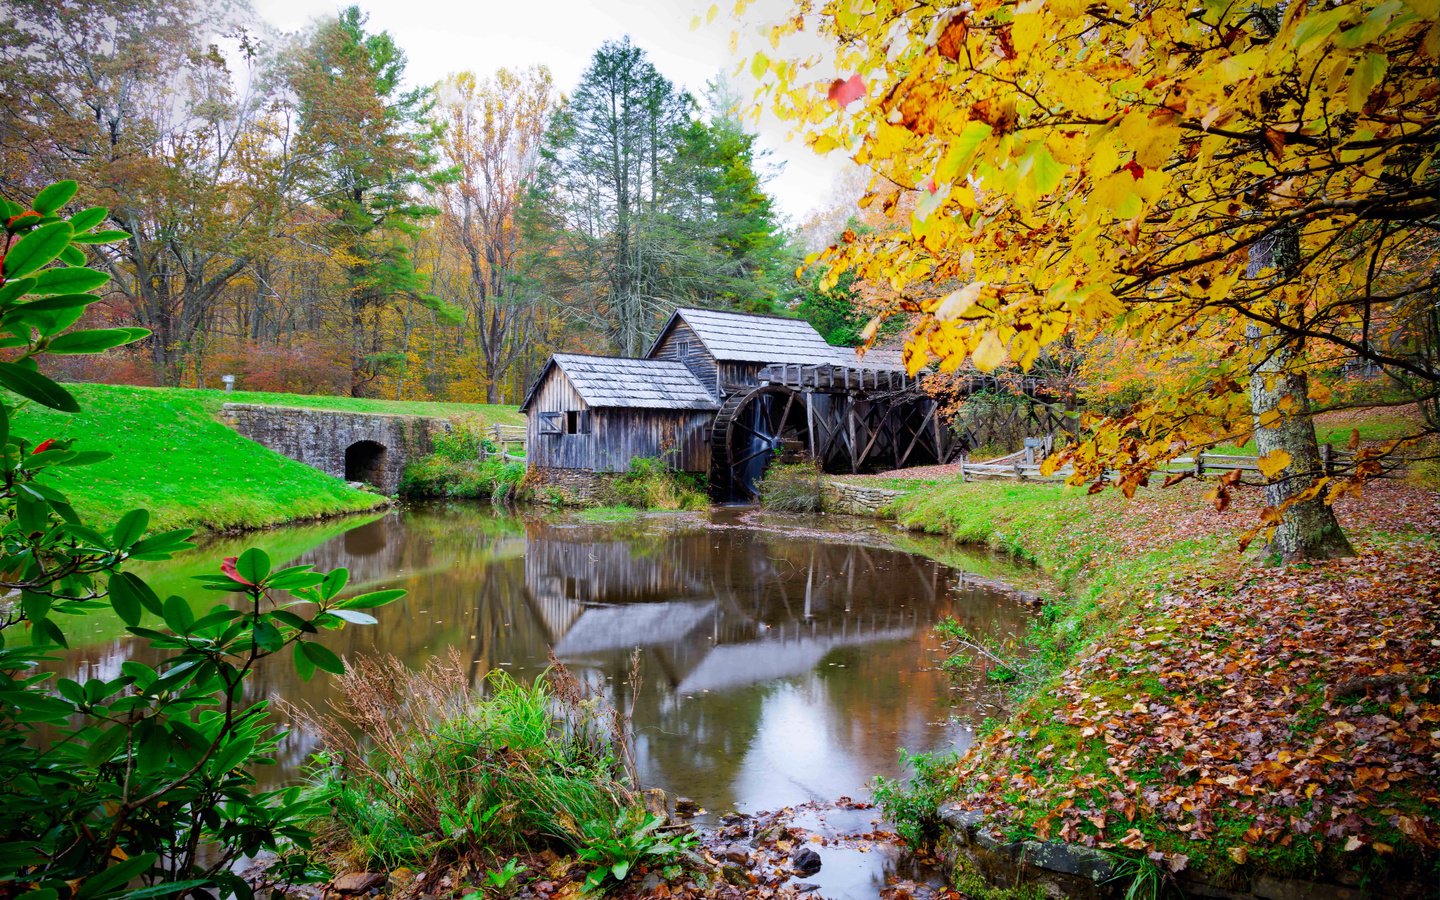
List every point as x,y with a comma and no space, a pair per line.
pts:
724,394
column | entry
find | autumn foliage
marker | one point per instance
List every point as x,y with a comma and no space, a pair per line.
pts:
1254,180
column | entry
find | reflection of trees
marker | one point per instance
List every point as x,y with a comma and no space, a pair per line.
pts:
722,617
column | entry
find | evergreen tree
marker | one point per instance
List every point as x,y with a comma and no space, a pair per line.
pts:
372,144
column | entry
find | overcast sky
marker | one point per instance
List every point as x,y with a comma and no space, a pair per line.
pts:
444,36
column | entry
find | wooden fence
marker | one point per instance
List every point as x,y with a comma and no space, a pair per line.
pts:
1024,465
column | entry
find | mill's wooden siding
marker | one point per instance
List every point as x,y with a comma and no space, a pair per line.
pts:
682,438
616,436
733,373
681,344
555,393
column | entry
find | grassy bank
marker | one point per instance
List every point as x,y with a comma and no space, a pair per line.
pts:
172,457
1183,705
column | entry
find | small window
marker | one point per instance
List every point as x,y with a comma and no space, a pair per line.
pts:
551,423
577,421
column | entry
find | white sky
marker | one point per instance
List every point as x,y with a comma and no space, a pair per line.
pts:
444,36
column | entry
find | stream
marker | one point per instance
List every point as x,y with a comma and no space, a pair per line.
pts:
783,659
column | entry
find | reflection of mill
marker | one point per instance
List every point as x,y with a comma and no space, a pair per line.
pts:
759,612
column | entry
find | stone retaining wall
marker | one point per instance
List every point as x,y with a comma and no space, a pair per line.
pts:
857,500
569,487
321,438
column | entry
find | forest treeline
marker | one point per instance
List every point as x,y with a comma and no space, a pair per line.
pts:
301,217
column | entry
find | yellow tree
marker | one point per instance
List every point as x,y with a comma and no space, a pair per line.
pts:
1259,175
495,127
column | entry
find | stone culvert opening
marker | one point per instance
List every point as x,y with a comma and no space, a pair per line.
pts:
365,461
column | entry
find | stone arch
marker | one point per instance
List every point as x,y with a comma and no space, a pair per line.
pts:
365,461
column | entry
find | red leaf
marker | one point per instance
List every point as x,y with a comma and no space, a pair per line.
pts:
43,446
1136,170
843,93
227,568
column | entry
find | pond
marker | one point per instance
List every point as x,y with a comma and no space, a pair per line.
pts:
783,659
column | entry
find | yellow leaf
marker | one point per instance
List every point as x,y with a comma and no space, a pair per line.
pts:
759,65
711,13
1273,463
1368,73
990,354
957,302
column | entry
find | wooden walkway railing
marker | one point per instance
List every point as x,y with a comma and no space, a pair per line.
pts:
507,436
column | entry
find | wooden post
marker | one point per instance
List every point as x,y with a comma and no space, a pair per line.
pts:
810,420
1327,459
1200,464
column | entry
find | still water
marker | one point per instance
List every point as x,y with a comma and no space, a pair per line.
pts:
783,659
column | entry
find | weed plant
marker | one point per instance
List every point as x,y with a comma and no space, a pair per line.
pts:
650,484
422,768
793,487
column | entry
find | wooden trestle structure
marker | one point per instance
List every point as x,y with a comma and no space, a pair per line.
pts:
846,418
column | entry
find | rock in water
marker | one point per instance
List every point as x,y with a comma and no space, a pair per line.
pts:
806,862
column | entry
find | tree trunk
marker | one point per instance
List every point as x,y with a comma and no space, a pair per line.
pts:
1309,529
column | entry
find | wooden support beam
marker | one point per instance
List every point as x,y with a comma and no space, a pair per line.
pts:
929,414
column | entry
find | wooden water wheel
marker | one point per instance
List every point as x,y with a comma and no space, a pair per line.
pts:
754,429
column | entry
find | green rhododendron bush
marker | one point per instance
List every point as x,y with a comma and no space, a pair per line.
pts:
140,784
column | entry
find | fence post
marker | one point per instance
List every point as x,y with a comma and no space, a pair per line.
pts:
1200,464
1327,459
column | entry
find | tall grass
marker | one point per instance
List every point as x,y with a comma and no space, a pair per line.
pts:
424,766
793,487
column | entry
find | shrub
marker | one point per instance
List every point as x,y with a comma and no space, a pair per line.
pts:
464,464
144,777
419,766
914,804
651,484
793,487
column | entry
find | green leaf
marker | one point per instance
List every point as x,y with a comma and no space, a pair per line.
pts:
72,255
36,249
351,615
37,387
178,615
101,237
95,340
253,565
334,583
147,596
267,637
372,600
115,877
130,528
106,745
323,658
303,666
54,197
61,302
165,889
68,280
124,600
14,290
86,219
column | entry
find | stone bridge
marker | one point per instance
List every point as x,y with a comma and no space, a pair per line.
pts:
369,447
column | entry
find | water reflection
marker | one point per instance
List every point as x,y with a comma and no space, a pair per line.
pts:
777,667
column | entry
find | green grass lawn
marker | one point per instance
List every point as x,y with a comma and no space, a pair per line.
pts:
174,458
493,414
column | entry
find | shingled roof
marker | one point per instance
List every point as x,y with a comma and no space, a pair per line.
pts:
613,382
744,337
